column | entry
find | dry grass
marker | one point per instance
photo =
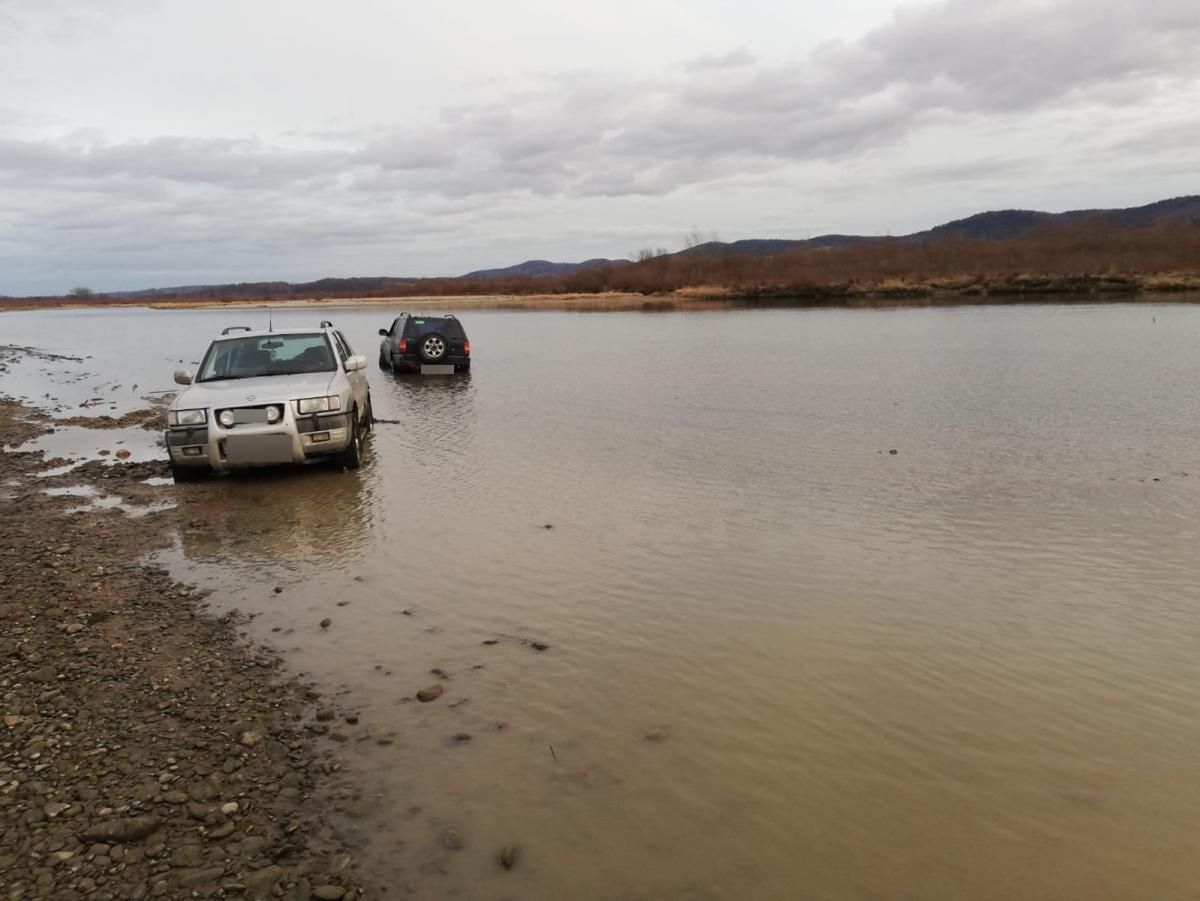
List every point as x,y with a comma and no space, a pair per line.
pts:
1094,256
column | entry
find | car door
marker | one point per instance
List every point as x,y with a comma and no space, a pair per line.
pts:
358,378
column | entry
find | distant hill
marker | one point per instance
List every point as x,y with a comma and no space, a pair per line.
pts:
536,268
324,286
1015,223
992,225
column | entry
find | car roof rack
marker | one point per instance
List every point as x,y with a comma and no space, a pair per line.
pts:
449,316
325,323
236,328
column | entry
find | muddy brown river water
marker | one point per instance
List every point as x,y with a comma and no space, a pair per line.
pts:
783,661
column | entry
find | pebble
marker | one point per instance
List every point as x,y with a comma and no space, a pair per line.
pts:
229,808
74,628
128,829
251,737
329,893
200,877
432,693
326,623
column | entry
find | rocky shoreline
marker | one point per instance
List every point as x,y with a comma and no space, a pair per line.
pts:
146,749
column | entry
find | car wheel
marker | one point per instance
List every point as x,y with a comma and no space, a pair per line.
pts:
369,419
351,457
432,347
182,474
384,362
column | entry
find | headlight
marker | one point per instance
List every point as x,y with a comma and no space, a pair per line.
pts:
318,404
274,414
226,418
187,417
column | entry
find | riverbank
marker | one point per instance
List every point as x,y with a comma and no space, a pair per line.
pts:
1157,287
147,750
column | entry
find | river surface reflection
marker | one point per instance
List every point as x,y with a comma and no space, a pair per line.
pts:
839,604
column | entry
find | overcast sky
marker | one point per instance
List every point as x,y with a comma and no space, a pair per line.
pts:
146,143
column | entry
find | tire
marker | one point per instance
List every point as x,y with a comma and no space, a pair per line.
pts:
384,363
351,457
464,367
433,347
369,419
184,474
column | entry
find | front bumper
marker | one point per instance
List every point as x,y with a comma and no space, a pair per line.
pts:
295,439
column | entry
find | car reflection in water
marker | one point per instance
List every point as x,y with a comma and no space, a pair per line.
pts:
435,424
280,517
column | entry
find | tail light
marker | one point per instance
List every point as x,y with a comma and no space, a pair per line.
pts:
467,348
403,345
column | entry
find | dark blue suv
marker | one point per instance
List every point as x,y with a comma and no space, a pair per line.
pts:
415,342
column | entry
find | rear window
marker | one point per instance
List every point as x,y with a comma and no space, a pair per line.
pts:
423,325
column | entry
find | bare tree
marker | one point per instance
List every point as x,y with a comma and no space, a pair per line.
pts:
697,236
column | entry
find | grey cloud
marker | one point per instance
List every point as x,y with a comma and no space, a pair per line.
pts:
592,136
181,159
735,59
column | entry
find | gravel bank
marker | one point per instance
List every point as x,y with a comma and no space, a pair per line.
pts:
146,751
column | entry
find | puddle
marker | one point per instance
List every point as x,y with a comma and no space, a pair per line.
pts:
108,502
60,470
78,443
98,501
72,491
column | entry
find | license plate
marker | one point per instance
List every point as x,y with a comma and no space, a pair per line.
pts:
258,449
248,415
437,369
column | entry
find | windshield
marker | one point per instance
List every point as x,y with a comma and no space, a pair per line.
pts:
247,358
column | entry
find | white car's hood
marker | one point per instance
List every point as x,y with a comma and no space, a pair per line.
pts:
251,392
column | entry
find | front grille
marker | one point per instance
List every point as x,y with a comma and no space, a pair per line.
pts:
249,415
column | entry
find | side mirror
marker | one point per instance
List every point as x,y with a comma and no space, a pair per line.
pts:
355,363
183,376
384,332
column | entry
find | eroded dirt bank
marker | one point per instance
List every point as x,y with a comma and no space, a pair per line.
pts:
145,750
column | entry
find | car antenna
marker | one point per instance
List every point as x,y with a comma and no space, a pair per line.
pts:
270,321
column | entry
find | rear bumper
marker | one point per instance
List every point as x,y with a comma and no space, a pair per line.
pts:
413,363
295,440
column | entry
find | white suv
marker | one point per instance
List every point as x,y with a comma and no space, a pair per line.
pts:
263,398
